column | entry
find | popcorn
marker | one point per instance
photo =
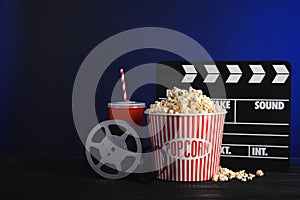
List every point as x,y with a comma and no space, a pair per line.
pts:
244,179
185,102
259,173
215,178
239,176
225,174
222,177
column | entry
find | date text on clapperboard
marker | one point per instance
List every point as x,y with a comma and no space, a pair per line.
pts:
257,125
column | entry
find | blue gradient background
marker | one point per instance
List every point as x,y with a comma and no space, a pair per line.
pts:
43,44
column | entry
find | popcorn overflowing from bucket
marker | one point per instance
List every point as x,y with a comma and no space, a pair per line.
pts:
180,101
189,127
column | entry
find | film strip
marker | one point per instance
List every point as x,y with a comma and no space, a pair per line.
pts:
257,125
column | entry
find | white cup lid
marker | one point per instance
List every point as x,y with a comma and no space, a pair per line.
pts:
128,104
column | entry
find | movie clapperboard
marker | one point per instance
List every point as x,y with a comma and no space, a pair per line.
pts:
257,125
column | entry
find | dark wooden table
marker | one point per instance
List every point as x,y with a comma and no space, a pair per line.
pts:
57,178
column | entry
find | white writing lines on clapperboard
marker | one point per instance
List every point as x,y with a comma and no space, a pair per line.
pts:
258,104
258,71
253,151
258,134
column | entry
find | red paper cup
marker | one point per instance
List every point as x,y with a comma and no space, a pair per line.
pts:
192,144
130,111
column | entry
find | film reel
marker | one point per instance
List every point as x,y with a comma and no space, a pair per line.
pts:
113,149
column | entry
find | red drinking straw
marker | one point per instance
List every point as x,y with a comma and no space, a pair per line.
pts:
123,85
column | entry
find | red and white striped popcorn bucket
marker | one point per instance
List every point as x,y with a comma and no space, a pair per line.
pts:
192,143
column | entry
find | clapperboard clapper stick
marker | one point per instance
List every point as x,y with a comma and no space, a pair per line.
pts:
257,125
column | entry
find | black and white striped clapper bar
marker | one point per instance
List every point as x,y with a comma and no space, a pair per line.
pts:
257,125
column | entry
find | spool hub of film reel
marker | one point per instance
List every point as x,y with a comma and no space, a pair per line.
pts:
113,149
